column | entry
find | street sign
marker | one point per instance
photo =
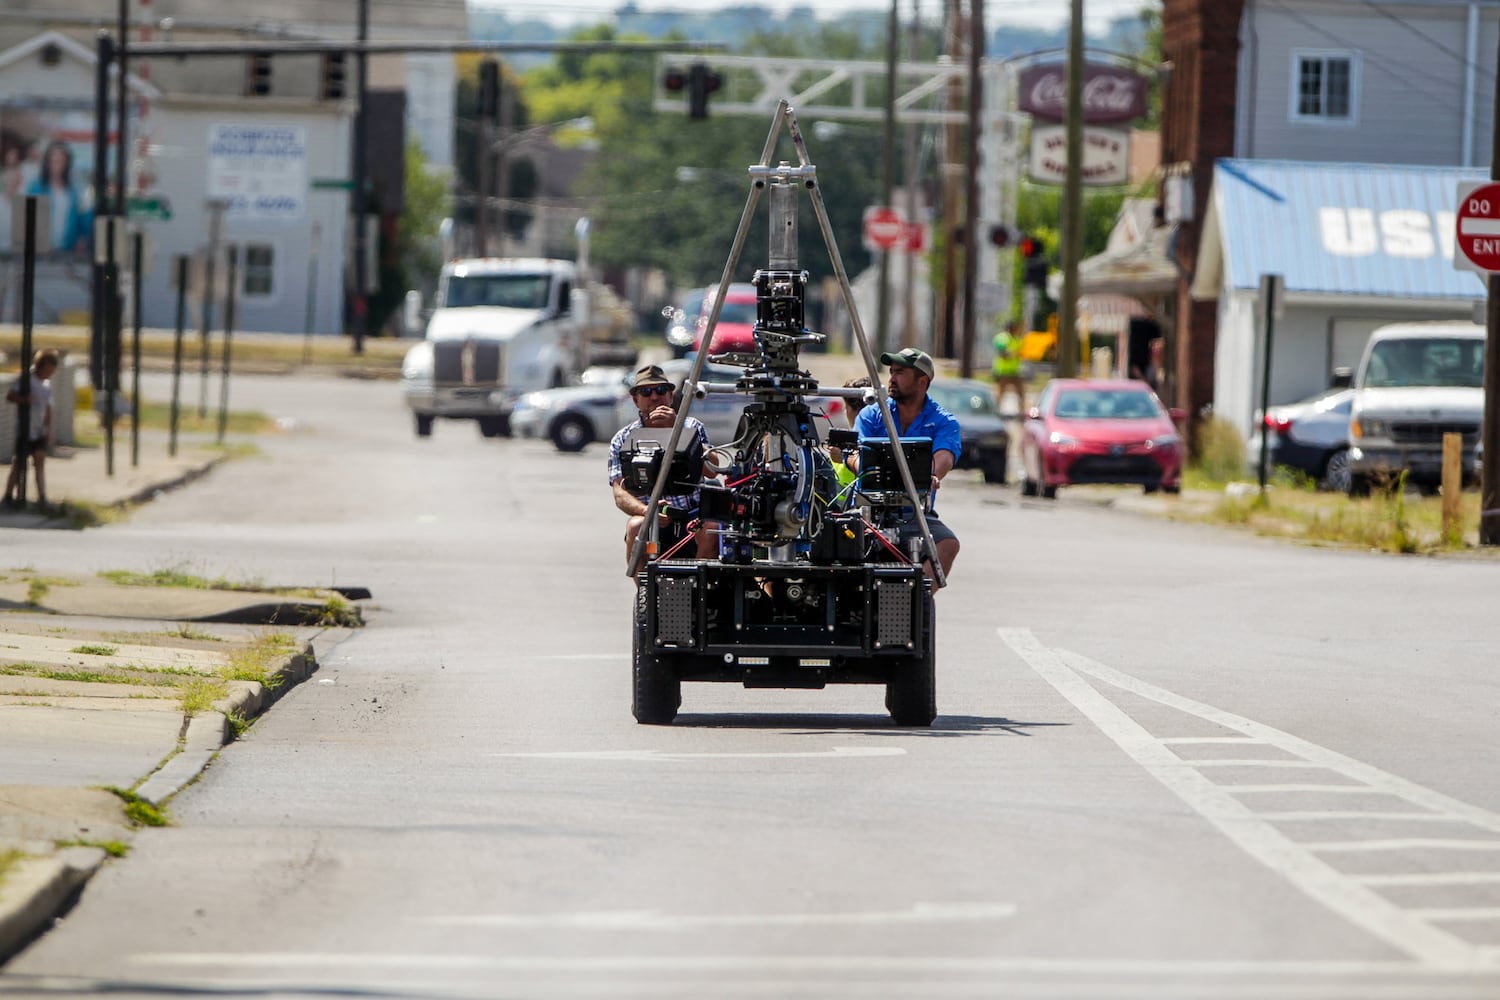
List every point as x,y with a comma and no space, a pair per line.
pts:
884,229
1479,227
332,184
150,207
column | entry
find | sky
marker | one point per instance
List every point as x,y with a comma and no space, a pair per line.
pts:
1035,13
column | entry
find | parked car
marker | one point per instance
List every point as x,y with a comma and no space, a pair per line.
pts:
735,329
986,442
1311,436
1086,431
1415,383
573,417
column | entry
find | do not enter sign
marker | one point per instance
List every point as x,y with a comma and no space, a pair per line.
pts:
1479,227
884,229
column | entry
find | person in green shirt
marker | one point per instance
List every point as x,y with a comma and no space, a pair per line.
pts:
1007,369
844,474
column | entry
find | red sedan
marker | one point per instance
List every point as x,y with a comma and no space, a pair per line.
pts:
734,331
1086,431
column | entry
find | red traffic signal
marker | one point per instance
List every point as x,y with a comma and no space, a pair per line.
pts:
1031,247
674,80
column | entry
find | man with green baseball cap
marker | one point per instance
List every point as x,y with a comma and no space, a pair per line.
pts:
917,415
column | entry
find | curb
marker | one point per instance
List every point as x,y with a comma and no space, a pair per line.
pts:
39,889
204,735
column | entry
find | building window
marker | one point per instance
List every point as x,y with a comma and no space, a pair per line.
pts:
259,274
1324,85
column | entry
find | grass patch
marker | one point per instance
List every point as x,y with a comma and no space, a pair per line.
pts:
173,578
200,693
337,610
10,857
138,810
256,661
95,649
36,593
114,848
159,416
186,631
67,674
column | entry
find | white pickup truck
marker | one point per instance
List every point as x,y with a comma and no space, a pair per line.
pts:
1415,383
500,328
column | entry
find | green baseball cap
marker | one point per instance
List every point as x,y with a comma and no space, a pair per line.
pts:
910,357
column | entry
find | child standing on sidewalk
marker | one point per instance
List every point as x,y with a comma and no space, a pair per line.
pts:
43,365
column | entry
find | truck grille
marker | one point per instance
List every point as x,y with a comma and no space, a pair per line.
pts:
466,362
1432,433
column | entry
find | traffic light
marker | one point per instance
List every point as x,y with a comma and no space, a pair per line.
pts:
258,75
1034,251
332,78
699,83
489,89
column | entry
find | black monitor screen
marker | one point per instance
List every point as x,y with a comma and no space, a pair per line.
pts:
879,472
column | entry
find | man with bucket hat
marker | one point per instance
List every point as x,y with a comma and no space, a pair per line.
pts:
654,394
918,416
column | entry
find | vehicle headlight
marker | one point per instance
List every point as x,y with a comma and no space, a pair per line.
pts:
1164,441
418,362
1062,440
1363,427
679,336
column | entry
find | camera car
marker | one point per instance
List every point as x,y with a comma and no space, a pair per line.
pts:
813,584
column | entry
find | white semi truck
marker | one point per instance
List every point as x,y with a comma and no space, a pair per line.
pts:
500,328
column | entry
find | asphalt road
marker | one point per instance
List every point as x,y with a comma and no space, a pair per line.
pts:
1170,761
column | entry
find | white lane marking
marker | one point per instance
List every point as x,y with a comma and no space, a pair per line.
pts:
854,964
1405,844
668,755
651,920
1356,903
1333,814
1460,913
1430,878
1335,789
1348,766
1250,762
1174,740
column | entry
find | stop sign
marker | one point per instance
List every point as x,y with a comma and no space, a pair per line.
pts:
1479,227
884,228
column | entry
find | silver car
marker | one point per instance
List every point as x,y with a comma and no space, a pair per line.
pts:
575,416
1311,436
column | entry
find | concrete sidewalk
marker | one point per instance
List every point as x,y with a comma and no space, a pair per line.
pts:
115,695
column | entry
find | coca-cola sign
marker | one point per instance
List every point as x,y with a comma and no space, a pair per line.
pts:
1110,93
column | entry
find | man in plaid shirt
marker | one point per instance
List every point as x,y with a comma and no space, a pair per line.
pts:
652,393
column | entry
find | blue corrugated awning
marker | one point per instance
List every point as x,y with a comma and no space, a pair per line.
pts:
1338,229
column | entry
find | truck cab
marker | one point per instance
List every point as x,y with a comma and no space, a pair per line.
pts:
1415,382
499,328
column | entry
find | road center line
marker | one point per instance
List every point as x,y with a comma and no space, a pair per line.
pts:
1356,903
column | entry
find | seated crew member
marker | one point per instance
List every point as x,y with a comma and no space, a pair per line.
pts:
652,392
916,415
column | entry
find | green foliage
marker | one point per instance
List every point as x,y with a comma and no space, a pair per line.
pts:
1220,454
428,203
139,811
114,848
95,649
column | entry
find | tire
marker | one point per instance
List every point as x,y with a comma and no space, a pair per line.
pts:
656,691
493,427
424,425
570,433
1173,490
911,692
1150,487
994,467
1336,471
1359,486
1028,487
1049,492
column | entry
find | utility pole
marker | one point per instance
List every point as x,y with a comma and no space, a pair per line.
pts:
359,202
1489,476
888,179
908,278
952,140
1072,228
971,185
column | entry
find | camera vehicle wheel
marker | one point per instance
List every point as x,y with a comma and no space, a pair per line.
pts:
424,425
656,691
994,467
911,692
1028,486
571,433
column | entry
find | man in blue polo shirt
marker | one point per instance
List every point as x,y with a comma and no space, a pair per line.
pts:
918,416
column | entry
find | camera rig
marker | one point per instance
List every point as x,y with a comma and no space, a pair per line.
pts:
814,584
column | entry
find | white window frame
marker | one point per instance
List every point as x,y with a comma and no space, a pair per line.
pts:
1294,112
258,298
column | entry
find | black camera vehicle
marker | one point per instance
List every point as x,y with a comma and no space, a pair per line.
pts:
813,585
